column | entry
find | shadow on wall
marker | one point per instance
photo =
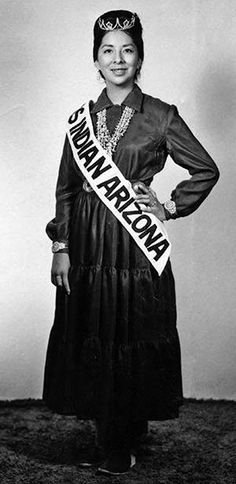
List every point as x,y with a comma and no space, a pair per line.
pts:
217,92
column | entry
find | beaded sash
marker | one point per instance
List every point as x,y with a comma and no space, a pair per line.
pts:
115,191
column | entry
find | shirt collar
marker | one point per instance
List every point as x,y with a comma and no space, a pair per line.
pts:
133,100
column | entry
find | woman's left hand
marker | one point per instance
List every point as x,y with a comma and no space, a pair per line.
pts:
147,199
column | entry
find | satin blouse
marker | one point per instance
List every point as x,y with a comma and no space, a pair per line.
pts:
155,131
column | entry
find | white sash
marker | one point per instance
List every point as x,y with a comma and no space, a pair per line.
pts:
115,191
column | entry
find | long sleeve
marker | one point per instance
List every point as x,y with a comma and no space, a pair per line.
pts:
69,183
187,152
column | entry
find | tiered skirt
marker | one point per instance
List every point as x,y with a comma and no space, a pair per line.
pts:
114,347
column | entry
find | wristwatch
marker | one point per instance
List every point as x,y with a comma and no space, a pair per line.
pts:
170,206
56,246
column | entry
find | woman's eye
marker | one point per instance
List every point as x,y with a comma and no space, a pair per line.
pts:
128,50
107,51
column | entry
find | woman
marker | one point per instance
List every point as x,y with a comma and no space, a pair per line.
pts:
113,353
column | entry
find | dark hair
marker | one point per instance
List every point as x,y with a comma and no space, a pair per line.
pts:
118,20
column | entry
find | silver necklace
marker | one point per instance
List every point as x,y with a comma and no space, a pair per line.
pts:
108,142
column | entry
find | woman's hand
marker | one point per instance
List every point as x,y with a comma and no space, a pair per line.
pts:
147,199
60,270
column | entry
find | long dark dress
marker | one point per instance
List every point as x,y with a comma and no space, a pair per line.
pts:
114,347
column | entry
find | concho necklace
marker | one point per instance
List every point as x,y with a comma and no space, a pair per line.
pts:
108,142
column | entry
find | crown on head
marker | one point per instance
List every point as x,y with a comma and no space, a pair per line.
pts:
125,24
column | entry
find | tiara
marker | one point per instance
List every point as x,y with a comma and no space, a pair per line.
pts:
126,24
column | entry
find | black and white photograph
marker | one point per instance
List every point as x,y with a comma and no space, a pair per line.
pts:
117,321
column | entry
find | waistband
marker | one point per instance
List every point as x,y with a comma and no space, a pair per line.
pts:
87,188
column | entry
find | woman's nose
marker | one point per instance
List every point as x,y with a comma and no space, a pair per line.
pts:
118,57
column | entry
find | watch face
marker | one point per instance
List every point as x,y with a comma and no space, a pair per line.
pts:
170,206
55,246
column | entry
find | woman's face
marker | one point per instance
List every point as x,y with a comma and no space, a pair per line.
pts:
118,58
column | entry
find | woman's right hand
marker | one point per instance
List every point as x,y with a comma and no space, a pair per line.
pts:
60,270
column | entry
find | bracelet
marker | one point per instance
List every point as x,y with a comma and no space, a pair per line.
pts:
170,206
56,246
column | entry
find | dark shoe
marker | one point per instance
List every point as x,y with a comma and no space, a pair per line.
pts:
118,462
90,457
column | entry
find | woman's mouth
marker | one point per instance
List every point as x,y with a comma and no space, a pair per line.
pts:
119,70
